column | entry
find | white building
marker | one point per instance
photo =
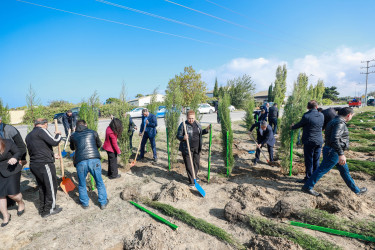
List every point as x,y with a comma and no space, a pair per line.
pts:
145,100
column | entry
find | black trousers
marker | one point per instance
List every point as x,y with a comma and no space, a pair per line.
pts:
45,175
270,152
273,124
131,140
196,159
112,164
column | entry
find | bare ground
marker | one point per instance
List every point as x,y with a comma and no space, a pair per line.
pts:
257,188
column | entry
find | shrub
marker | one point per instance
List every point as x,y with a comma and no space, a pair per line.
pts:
227,141
4,113
89,111
327,101
249,116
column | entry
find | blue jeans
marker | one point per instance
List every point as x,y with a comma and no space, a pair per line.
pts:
143,144
312,155
94,167
331,159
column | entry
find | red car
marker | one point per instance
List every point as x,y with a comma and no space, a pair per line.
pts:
355,103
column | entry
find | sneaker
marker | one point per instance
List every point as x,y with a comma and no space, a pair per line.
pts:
155,160
84,207
198,180
116,177
55,211
102,207
191,186
311,191
302,181
362,191
139,158
254,162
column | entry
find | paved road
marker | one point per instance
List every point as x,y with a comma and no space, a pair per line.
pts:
103,124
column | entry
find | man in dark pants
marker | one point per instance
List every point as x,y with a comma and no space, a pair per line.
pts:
131,129
273,115
264,136
150,133
39,144
217,110
336,142
86,142
69,120
194,135
312,139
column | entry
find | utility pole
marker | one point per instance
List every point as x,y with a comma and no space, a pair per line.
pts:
367,73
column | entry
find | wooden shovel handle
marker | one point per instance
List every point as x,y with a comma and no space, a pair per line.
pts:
59,149
188,145
67,139
139,146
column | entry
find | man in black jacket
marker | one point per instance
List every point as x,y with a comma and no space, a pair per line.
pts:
194,135
131,129
336,142
264,136
39,144
86,142
273,115
69,120
312,139
328,114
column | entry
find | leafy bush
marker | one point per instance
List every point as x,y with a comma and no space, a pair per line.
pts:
4,112
327,101
89,111
367,167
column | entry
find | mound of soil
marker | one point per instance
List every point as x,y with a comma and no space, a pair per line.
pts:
250,196
130,194
272,243
292,203
341,200
174,191
151,237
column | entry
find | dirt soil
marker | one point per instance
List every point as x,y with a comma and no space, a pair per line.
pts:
260,190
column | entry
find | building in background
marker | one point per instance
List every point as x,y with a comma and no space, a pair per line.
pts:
145,100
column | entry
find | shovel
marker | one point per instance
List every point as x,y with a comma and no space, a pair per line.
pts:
197,186
252,137
136,155
64,153
66,184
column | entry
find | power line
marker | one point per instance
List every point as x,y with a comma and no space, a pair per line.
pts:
233,23
125,24
367,73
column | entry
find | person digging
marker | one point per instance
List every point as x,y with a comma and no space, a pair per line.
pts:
194,135
264,137
336,142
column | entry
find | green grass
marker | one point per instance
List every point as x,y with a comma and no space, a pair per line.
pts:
267,227
362,166
199,224
363,149
324,219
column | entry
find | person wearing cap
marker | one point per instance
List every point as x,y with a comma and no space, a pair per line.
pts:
40,145
264,137
69,121
149,120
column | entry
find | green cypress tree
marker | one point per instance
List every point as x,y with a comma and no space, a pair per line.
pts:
249,115
319,90
279,88
270,94
89,111
216,89
226,125
4,113
293,111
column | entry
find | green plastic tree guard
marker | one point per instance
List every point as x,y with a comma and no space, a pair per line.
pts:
291,153
171,225
332,231
209,154
92,182
169,157
227,153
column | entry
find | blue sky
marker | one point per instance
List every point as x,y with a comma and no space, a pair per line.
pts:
68,56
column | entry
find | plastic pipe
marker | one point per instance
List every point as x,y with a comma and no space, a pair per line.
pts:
291,153
209,154
169,158
332,231
173,226
227,153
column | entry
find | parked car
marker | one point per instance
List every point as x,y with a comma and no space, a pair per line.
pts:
161,113
136,113
75,110
355,103
371,102
206,108
231,108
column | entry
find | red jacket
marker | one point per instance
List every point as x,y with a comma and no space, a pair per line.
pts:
110,143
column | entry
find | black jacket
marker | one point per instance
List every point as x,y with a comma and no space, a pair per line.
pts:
69,121
10,151
273,113
262,117
10,132
131,125
312,124
337,135
267,137
86,143
328,114
39,144
180,136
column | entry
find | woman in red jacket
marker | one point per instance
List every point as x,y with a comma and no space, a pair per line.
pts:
110,145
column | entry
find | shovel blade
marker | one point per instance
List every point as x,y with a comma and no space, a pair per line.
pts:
64,153
133,163
199,188
67,185
72,154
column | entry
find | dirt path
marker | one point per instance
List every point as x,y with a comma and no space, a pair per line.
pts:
257,188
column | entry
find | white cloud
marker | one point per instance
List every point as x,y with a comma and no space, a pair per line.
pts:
340,68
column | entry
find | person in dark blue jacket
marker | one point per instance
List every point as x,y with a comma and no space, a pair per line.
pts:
263,115
312,139
150,133
69,121
264,136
